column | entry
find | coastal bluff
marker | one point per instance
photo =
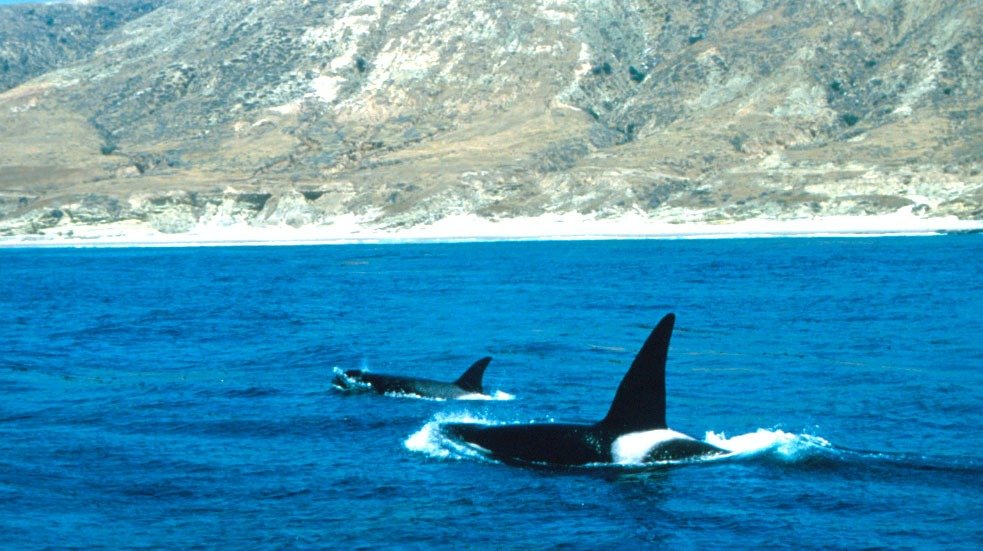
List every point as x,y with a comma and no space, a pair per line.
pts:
171,115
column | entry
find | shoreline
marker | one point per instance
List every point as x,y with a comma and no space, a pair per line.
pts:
350,229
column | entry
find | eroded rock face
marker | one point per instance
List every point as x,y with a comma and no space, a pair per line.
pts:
295,112
38,37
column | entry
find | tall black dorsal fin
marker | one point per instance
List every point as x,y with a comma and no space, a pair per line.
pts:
471,380
640,403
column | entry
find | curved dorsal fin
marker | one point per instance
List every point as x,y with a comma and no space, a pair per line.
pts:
471,380
640,403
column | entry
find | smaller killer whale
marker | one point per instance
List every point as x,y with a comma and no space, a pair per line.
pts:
467,384
637,414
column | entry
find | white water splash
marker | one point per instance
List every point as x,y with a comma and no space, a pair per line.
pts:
497,395
783,444
431,441
633,448
349,382
413,396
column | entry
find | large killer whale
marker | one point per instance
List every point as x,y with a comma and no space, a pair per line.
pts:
637,414
468,384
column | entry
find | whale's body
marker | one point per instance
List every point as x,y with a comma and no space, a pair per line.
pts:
468,384
638,413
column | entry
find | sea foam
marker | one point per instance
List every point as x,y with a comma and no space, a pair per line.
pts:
431,441
785,445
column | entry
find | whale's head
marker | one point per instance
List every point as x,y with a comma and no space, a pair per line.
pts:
349,379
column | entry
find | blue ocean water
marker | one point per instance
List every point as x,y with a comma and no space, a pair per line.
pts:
181,397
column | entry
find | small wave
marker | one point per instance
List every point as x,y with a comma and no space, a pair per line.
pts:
816,452
431,441
970,466
414,396
250,392
497,395
777,443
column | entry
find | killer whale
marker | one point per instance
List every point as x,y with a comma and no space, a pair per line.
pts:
468,384
638,411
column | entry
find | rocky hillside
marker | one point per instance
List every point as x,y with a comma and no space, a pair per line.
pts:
297,111
36,38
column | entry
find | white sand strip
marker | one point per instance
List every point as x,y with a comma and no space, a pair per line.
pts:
570,226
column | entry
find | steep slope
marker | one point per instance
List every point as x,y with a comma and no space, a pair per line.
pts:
406,112
36,38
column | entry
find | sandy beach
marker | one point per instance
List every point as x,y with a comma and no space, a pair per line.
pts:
350,229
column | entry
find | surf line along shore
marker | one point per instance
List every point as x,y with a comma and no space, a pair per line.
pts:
349,228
